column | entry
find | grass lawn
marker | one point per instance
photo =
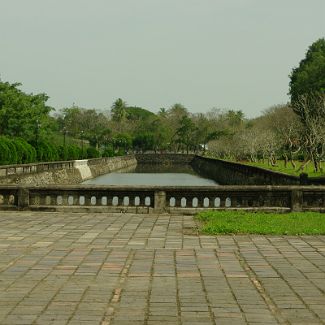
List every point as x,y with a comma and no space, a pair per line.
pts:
289,170
243,222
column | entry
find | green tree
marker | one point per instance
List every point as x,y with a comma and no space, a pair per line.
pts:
309,76
22,114
122,142
144,141
134,113
185,133
307,90
88,122
118,110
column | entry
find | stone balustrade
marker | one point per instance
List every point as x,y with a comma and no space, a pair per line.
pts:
9,170
156,199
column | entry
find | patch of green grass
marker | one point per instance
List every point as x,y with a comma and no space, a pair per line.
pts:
280,167
243,222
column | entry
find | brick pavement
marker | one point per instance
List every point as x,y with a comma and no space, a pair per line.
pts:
61,268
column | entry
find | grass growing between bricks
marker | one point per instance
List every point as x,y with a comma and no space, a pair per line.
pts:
243,222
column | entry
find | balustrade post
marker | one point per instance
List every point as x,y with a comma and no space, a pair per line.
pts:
296,200
160,201
23,198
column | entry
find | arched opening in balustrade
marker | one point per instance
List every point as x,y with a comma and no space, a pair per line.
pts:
195,202
59,200
217,202
183,202
11,199
47,200
93,200
70,200
172,202
82,200
115,201
126,201
104,200
147,201
206,202
137,201
228,202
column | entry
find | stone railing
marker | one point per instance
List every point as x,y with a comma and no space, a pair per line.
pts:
162,199
9,170
62,172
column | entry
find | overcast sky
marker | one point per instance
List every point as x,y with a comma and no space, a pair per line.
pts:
234,54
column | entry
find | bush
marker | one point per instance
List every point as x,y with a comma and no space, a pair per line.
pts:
92,153
8,152
74,152
69,152
26,153
46,151
108,152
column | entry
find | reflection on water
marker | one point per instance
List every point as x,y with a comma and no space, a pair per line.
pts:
172,175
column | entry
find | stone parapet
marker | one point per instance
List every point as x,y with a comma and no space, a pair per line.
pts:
62,172
226,172
166,199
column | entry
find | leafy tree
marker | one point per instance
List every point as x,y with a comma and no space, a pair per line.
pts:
105,137
21,114
144,141
206,131
92,153
307,90
185,133
309,76
88,122
122,142
138,114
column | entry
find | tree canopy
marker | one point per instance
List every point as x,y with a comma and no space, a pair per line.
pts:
309,76
21,114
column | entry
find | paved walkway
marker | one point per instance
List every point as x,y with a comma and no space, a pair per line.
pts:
104,269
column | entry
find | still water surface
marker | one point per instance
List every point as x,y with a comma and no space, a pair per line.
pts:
153,175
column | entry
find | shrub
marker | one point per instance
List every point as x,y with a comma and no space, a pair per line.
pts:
92,152
108,152
8,152
26,153
46,151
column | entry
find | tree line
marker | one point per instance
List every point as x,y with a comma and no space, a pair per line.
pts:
30,130
294,131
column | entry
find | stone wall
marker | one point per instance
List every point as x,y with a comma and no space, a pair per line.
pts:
101,166
223,172
161,199
61,173
231,173
74,172
164,159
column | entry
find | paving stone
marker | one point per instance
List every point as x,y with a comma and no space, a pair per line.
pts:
74,268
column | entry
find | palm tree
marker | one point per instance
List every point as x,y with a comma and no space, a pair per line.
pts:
119,110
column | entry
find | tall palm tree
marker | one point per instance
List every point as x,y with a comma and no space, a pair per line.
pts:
119,110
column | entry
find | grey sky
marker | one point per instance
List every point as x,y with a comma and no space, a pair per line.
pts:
153,53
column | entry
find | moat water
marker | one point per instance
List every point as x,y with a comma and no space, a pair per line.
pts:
153,175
